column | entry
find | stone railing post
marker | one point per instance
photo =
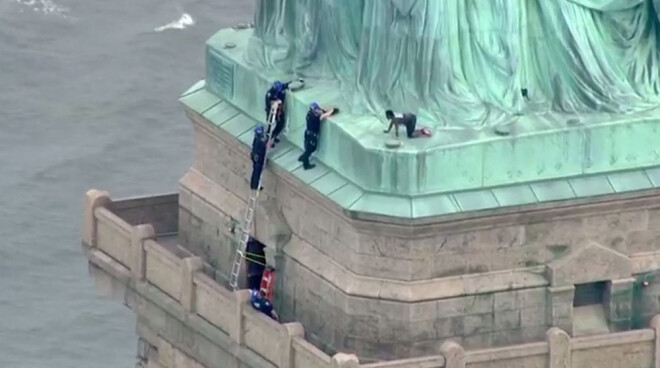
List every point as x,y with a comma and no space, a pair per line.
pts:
559,345
189,266
454,354
287,356
341,360
139,235
241,298
560,311
93,199
655,325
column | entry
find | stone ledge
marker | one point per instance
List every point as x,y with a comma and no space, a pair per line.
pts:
150,299
454,222
415,291
160,300
200,326
142,201
366,204
612,339
224,200
109,265
418,160
425,362
509,352
302,346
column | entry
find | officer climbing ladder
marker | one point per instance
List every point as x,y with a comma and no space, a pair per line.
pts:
248,216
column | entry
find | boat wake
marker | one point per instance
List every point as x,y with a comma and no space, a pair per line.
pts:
45,6
184,22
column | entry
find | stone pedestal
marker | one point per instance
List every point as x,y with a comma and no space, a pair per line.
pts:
559,344
345,361
454,354
655,325
141,234
385,285
93,199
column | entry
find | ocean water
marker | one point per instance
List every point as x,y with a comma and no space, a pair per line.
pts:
88,93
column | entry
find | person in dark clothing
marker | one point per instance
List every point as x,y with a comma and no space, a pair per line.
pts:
258,155
408,120
277,92
256,263
315,116
259,302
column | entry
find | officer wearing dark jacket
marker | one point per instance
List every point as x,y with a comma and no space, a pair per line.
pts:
259,302
277,92
258,155
314,117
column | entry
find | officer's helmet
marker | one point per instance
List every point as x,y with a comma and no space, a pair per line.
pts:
314,106
259,129
278,86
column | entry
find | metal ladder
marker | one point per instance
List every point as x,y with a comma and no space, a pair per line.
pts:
248,216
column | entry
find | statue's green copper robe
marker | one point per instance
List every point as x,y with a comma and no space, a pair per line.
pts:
464,62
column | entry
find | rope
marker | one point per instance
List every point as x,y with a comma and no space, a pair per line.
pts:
251,260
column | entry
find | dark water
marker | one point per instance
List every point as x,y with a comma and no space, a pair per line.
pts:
87,100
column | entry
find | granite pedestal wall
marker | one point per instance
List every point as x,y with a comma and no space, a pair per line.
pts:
388,287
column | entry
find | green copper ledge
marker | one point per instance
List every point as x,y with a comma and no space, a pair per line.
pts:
540,147
353,197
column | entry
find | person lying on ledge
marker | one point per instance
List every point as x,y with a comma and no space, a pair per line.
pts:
259,302
409,120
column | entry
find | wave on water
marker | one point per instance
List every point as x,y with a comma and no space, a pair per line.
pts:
184,22
44,6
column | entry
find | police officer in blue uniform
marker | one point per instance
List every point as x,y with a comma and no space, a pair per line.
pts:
258,155
259,302
277,92
314,117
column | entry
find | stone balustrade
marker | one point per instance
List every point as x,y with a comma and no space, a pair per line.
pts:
134,251
130,254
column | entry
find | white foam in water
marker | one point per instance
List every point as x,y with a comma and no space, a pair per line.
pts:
44,6
184,22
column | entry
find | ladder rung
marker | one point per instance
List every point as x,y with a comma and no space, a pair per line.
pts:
249,211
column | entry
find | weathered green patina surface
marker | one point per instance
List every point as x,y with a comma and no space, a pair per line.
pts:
589,126
353,198
464,62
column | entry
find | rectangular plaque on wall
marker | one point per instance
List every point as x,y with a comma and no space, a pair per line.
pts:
220,74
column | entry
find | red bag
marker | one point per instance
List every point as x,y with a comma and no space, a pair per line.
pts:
268,283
